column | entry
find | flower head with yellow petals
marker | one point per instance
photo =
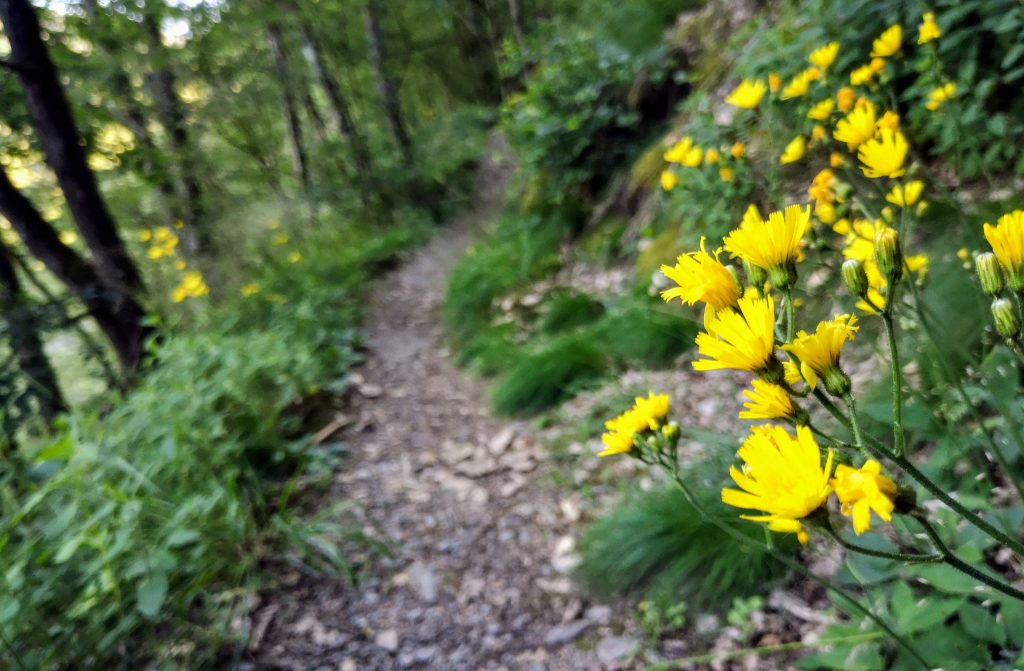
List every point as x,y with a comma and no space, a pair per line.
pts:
773,245
748,94
794,151
769,401
740,339
819,352
883,156
647,414
824,57
862,490
928,31
798,86
858,126
702,278
888,43
1007,240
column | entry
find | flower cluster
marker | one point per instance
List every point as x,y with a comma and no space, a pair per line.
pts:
647,415
686,154
163,244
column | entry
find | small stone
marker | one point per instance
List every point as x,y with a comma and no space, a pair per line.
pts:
425,581
501,440
371,390
512,486
570,511
387,639
599,614
348,664
566,633
615,649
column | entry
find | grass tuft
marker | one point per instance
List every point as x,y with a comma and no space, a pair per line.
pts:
549,375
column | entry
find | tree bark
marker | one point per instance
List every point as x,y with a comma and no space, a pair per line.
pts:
386,88
117,313
26,343
300,160
515,10
58,135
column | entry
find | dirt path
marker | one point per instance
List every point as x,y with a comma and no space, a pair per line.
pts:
480,576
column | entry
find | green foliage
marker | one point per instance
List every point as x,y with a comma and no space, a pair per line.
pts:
548,375
566,310
643,332
154,513
656,545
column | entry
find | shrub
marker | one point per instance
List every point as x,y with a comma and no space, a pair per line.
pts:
555,371
642,333
566,310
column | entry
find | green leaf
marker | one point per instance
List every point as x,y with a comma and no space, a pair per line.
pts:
913,616
946,579
62,448
981,624
151,594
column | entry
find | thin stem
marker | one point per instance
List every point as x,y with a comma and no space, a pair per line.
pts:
895,556
851,404
898,437
790,316
762,650
962,566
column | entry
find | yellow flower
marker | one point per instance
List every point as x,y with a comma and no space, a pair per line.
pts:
824,57
742,339
774,81
963,254
862,75
940,95
179,264
669,180
250,289
192,285
857,127
826,214
773,244
835,159
822,189
798,86
701,278
877,65
179,224
928,30
280,239
677,152
821,111
725,174
782,476
164,243
818,133
845,98
818,352
748,94
907,195
294,257
883,156
68,237
842,227
1007,240
273,224
889,121
888,43
861,490
791,373
768,401
794,151
711,156
145,235
646,414
738,150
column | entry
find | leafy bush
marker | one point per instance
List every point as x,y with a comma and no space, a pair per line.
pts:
555,371
154,515
566,310
643,333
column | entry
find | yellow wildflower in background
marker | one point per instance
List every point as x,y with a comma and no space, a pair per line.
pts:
646,414
861,490
862,75
940,95
819,352
824,57
822,110
857,127
294,257
711,156
773,244
742,339
826,214
822,189
928,30
668,180
725,174
145,235
906,195
701,277
888,43
738,150
250,289
1007,240
877,65
179,264
818,133
883,156
767,401
774,81
748,94
845,98
677,152
192,285
782,476
794,151
164,244
798,86
68,237
280,239
889,121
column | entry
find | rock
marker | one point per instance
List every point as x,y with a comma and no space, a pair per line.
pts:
477,467
615,649
370,390
570,511
555,585
425,581
387,639
512,486
501,440
599,614
564,558
424,655
348,664
566,633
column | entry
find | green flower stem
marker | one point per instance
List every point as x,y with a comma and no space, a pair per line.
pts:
962,566
958,385
898,437
789,562
851,405
906,557
790,316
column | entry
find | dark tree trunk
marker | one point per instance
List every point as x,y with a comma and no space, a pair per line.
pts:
515,10
26,344
117,313
171,113
385,86
298,148
57,133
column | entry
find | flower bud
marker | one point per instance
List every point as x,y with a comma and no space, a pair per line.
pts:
1005,316
856,278
837,382
670,431
888,253
756,275
989,273
782,277
736,277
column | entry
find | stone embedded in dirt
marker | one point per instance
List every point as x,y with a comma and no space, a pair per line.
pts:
566,633
387,639
615,649
513,483
555,585
424,580
477,467
348,664
599,614
570,511
521,462
501,440
564,557
452,452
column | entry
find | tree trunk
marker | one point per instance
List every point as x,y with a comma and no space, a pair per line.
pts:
385,86
515,10
26,343
171,112
298,148
117,313
57,133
